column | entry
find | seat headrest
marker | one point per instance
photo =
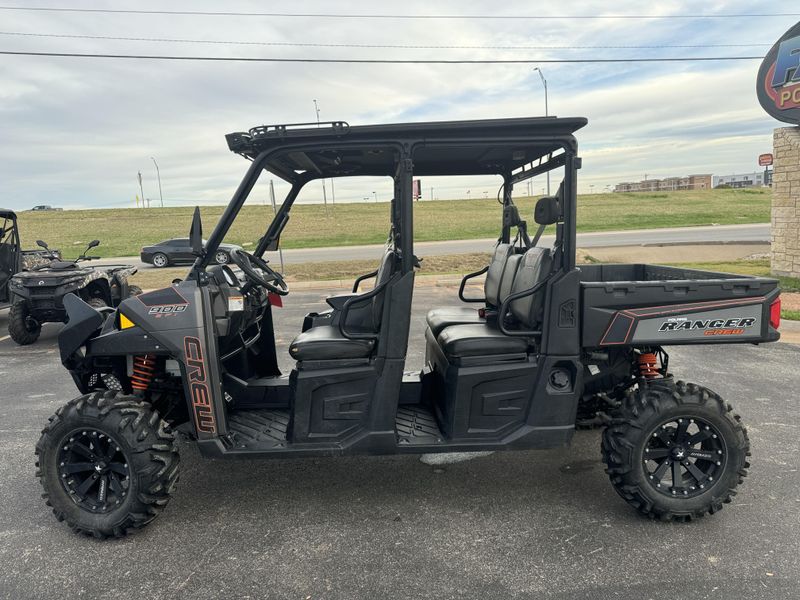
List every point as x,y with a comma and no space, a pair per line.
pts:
511,216
547,211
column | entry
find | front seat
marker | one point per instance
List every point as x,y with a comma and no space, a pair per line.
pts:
326,342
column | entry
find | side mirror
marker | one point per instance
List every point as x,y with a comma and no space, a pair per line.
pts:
196,233
547,211
93,244
41,244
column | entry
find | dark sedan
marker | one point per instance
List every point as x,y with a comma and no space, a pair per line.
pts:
178,251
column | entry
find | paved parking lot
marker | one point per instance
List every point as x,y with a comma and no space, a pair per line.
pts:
539,524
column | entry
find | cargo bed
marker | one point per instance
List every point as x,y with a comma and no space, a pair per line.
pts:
641,305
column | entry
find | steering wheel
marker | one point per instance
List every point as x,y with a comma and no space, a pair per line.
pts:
246,261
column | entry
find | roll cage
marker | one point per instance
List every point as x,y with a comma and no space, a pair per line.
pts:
515,149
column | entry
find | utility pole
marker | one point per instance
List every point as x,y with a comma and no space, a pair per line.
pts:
376,196
158,174
431,192
324,195
546,114
141,189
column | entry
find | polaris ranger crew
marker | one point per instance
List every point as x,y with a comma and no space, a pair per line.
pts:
547,345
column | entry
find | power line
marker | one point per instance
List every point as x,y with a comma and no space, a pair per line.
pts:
389,46
381,60
385,16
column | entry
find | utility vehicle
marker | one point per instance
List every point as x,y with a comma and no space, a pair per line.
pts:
508,370
13,258
37,294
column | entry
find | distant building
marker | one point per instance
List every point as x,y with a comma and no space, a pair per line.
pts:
742,180
692,182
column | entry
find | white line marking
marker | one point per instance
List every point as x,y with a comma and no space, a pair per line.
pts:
4,338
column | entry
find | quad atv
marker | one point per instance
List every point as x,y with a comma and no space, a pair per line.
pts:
510,369
37,294
13,259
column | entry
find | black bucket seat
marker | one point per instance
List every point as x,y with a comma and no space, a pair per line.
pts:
498,278
354,322
484,339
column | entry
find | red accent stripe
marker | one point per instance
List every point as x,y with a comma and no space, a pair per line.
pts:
636,312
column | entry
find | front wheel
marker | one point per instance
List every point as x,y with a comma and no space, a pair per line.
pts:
22,327
108,464
134,290
222,258
675,451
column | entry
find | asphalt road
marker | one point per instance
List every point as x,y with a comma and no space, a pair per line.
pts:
537,524
639,237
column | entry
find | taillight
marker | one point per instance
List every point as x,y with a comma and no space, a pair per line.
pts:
775,314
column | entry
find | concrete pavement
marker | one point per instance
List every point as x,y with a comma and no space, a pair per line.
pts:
717,234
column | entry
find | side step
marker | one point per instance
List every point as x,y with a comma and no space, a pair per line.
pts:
417,426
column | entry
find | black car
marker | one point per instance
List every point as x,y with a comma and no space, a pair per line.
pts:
179,251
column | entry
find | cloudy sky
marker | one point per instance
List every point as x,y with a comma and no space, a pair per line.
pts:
74,132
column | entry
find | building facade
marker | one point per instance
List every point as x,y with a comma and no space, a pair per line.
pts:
741,180
691,182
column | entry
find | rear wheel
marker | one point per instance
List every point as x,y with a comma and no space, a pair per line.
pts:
160,260
675,451
108,464
22,327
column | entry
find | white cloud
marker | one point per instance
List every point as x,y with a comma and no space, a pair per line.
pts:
75,132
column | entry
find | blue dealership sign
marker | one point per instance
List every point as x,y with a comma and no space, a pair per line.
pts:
778,84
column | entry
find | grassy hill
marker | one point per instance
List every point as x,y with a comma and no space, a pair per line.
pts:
124,231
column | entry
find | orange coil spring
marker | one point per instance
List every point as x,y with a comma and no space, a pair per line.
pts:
144,368
648,365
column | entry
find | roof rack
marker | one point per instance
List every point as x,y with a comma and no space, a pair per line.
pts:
242,142
299,129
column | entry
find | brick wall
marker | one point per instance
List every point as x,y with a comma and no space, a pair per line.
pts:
786,202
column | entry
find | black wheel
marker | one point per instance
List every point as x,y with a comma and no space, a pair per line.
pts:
108,464
160,260
222,257
22,327
134,290
675,451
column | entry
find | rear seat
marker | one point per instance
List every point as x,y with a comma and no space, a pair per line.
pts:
486,339
498,278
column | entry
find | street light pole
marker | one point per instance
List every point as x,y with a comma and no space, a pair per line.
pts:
546,113
324,194
158,174
141,189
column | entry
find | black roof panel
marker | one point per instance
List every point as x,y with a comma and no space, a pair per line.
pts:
336,149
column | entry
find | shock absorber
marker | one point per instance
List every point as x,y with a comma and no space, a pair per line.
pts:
144,369
648,365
